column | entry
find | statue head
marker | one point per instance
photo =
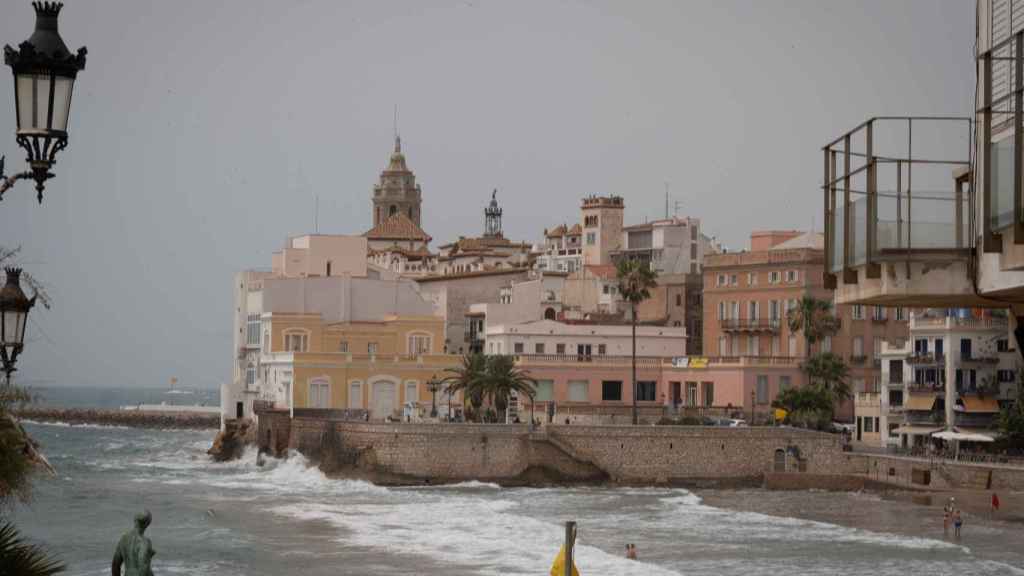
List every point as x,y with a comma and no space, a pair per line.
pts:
142,520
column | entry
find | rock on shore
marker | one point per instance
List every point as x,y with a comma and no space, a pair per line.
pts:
133,419
230,444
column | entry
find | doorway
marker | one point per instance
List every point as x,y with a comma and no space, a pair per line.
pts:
239,410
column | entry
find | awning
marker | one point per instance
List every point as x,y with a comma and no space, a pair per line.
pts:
917,430
987,405
919,402
963,436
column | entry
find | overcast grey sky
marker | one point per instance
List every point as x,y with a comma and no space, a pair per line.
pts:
201,130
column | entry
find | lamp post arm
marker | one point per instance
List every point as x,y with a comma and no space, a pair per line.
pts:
8,182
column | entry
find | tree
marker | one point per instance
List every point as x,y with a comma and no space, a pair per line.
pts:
814,319
19,557
1011,420
502,378
635,282
829,372
469,378
807,406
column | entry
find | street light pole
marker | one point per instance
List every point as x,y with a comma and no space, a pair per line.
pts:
433,386
753,399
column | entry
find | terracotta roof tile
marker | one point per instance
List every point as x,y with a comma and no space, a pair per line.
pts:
397,227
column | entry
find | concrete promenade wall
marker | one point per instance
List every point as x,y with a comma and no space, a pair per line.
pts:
626,454
923,473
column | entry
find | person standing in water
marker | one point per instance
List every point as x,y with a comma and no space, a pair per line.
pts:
995,504
958,521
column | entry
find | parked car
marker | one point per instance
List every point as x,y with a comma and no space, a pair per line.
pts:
841,428
734,422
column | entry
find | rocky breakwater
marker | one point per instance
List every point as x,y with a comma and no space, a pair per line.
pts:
231,442
132,418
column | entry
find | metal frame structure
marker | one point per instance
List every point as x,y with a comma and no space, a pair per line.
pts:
838,180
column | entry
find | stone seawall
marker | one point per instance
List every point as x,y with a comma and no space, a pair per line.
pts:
134,419
923,473
510,454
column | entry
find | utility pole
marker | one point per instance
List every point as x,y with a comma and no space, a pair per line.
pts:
570,543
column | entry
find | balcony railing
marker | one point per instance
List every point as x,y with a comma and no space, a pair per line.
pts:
926,387
926,359
888,195
858,360
750,325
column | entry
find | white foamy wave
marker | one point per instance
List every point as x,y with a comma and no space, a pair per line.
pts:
73,424
479,532
470,485
292,475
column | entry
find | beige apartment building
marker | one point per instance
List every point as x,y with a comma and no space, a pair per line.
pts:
747,297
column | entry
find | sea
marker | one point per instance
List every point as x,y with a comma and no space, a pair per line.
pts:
286,517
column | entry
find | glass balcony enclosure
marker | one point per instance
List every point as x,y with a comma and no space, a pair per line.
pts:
898,189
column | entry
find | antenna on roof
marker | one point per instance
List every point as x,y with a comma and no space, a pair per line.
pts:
666,199
316,213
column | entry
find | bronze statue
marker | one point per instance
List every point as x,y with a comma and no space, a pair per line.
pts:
134,550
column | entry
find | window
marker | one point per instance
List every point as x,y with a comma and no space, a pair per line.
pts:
720,281
693,252
751,279
355,394
735,345
901,314
752,310
538,348
896,371
679,300
1002,345
419,344
250,375
791,276
877,343
691,393
784,383
734,311
252,330
723,349
517,347
939,344
858,346
776,344
792,346
920,346
343,346
559,348
1004,375
646,390
411,392
722,311
296,341
867,425
371,348
965,347
602,349
579,391
895,398
319,394
611,390
773,309
858,312
879,313
545,390
591,238
773,277
266,342
753,345
709,393
826,343
733,281
762,389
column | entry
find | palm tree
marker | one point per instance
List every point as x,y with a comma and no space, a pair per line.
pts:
469,378
831,373
635,282
19,557
503,378
814,318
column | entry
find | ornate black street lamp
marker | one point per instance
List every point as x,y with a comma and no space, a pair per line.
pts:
433,385
14,308
44,77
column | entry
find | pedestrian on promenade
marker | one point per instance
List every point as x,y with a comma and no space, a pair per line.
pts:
958,521
995,504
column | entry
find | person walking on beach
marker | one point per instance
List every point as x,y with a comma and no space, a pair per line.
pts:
995,504
958,521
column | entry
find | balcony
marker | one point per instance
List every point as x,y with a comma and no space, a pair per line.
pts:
858,360
770,325
899,213
926,387
926,359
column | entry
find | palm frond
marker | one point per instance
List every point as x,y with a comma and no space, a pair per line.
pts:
18,556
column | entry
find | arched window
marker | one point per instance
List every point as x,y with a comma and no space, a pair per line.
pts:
549,314
328,268
393,210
